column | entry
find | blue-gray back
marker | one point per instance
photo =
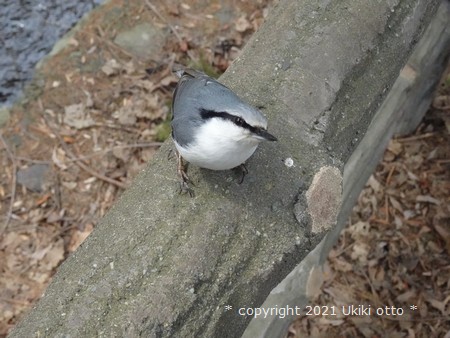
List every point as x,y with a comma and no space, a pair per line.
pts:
196,91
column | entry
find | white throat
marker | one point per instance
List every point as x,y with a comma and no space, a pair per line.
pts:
219,145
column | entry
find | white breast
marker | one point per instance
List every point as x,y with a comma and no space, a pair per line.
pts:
219,145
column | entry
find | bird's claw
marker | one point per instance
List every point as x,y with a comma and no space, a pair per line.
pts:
244,171
184,188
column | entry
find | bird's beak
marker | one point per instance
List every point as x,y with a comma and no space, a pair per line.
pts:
264,135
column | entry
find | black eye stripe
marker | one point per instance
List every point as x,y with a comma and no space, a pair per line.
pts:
207,114
239,121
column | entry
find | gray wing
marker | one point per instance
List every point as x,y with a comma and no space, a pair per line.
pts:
195,90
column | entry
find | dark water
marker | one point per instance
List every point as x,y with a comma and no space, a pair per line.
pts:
28,31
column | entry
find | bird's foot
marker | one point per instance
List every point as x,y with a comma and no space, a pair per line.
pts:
170,154
184,179
244,172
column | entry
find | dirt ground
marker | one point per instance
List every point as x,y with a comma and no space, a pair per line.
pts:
95,116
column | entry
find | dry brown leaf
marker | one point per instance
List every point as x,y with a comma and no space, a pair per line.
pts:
395,147
78,237
374,184
360,251
427,199
359,229
242,24
111,67
342,265
59,157
77,116
396,204
408,296
122,153
440,305
54,255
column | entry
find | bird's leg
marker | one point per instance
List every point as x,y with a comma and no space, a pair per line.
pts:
244,172
169,154
181,169
184,182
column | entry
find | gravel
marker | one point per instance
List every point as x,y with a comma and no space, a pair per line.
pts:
28,31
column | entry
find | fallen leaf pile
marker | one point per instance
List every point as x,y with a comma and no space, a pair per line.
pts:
394,256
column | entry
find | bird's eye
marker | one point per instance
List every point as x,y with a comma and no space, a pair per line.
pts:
239,121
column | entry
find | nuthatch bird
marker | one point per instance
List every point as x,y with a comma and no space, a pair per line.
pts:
212,127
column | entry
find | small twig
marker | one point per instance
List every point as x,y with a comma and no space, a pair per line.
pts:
61,231
124,146
57,195
386,207
372,288
100,152
174,31
163,19
26,159
414,138
15,301
88,169
13,184
344,249
440,108
119,127
111,46
391,172
81,164
379,220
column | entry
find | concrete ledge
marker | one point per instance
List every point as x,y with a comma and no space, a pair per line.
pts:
400,112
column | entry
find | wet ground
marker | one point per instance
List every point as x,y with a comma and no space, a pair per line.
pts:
28,31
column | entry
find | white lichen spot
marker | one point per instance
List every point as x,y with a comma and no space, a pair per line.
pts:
289,162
